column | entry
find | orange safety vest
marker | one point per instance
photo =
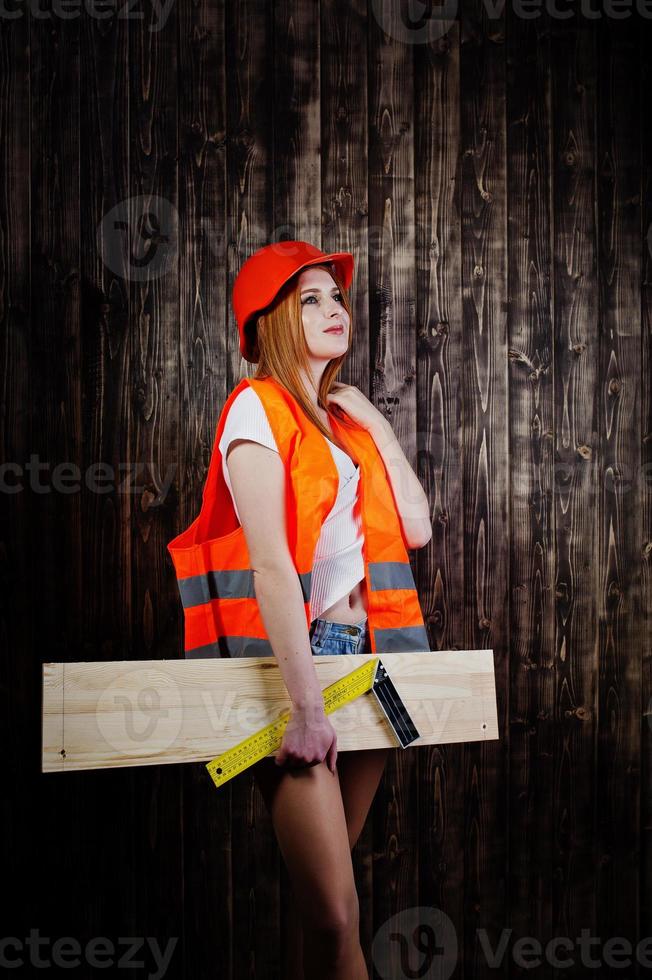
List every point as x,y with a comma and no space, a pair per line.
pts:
211,558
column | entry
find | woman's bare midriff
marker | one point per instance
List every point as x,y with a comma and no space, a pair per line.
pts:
351,608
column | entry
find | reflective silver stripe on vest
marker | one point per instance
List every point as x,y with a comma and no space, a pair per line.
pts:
233,584
390,575
232,646
198,589
405,639
306,583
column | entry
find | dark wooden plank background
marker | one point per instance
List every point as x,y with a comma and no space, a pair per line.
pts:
494,181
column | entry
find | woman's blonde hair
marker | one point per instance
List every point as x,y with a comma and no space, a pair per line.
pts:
278,339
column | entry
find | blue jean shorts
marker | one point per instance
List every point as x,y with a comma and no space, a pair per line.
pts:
338,638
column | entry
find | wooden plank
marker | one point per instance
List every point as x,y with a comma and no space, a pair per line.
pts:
645,483
297,122
18,625
106,380
485,452
621,637
576,518
55,543
532,624
156,818
153,712
253,926
440,565
205,346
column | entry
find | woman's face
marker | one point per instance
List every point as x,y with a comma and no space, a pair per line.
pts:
322,309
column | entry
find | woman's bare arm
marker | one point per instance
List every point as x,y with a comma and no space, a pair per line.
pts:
258,479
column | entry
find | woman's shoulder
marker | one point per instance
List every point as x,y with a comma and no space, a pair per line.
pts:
247,400
247,419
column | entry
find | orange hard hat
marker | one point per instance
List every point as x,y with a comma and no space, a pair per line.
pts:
267,270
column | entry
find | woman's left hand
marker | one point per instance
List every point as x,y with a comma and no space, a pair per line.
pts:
356,406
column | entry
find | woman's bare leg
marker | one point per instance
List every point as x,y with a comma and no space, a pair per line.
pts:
358,776
360,772
295,940
310,825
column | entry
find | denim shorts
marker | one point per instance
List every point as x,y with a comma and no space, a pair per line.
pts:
338,638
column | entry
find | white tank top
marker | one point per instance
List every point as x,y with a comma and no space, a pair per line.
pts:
338,564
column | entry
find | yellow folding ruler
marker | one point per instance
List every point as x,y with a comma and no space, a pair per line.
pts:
371,676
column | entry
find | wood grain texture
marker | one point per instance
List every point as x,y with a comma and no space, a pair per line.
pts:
18,628
495,187
203,384
392,349
644,499
531,476
485,451
620,638
55,404
106,380
93,713
440,569
155,808
258,909
577,565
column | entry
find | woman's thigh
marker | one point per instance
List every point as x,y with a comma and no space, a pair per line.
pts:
360,773
309,821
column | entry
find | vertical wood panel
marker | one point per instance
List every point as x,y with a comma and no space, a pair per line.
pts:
392,350
485,481
297,122
19,635
577,572
106,439
56,589
440,570
155,814
620,635
645,478
257,902
201,87
531,417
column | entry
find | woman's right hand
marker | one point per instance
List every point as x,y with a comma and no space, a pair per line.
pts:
308,739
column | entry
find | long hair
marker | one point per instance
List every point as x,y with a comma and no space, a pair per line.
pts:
279,341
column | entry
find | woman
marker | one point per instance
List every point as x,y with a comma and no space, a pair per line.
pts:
294,318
